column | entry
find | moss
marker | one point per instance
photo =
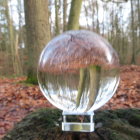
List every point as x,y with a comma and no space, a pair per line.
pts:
109,134
124,128
131,115
36,125
46,124
32,77
32,80
104,116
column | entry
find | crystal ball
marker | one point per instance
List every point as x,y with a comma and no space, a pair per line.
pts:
78,71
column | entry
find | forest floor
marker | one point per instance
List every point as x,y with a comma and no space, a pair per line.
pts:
18,99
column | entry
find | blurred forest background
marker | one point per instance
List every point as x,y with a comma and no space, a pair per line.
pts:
20,43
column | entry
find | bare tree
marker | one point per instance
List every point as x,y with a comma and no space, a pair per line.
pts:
133,34
13,41
73,22
37,32
57,18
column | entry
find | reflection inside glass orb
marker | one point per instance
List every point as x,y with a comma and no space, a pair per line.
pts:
78,71
85,90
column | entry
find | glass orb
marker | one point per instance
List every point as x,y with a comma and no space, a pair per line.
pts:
78,71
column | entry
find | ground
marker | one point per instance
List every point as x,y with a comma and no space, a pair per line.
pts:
18,99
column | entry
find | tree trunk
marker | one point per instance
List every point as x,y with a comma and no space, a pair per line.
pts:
21,34
97,20
138,5
37,33
73,23
45,124
64,15
57,29
13,42
133,33
86,15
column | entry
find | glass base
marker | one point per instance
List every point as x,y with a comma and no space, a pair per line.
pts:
78,126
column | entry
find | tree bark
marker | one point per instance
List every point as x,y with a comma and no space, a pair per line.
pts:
64,15
57,29
73,22
97,20
13,42
37,33
45,124
133,33
138,6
